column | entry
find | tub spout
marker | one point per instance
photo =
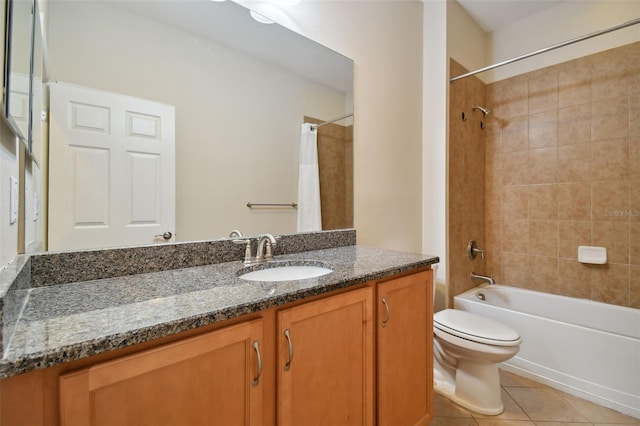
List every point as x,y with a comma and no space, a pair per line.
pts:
488,279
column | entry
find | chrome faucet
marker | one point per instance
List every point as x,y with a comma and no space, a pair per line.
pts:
264,249
264,252
488,279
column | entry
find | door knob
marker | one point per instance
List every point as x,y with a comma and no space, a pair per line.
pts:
167,235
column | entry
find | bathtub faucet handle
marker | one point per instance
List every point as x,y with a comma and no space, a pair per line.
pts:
473,251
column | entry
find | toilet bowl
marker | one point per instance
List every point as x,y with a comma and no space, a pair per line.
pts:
467,349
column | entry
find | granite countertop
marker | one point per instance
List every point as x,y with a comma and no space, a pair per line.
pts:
64,322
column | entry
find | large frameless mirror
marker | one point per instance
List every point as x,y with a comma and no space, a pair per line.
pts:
240,91
18,64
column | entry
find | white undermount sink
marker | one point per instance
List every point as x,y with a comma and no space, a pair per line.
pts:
286,273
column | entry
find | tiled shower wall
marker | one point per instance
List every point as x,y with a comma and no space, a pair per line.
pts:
562,170
466,177
335,162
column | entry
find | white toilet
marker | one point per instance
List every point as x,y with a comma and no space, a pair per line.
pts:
466,350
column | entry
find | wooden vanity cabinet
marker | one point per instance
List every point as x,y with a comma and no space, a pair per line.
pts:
357,356
325,361
210,379
405,350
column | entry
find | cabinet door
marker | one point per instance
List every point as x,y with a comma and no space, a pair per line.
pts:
203,380
325,369
405,350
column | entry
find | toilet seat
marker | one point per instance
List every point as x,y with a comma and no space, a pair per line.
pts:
466,325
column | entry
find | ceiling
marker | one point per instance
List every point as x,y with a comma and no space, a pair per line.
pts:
493,15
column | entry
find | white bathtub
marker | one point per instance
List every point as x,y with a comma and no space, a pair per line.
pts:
585,348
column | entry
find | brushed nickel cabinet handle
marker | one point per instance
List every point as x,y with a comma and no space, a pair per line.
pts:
256,380
287,334
388,312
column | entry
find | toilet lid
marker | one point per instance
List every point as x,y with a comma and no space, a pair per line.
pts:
476,328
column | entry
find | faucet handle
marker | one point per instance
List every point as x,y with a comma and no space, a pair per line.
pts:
235,234
473,251
247,250
268,251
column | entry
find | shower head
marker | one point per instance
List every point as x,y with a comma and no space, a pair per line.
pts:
484,111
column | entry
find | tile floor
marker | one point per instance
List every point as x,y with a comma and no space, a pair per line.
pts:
529,403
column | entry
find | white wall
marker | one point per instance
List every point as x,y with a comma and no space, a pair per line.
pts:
8,168
566,21
237,119
434,135
384,38
466,41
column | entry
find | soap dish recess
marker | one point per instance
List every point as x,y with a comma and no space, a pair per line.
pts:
594,255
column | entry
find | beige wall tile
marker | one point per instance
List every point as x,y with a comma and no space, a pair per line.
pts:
515,202
493,173
493,96
574,201
543,202
574,163
492,143
610,284
515,101
515,236
543,165
610,160
574,124
543,238
543,93
572,234
610,201
544,273
515,269
574,85
634,69
580,168
634,111
634,201
615,237
543,129
514,134
493,203
634,243
609,75
610,119
574,279
493,230
634,157
515,168
470,186
634,286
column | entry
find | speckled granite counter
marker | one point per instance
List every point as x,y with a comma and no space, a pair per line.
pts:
65,322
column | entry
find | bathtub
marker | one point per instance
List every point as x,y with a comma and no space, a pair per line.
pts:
585,348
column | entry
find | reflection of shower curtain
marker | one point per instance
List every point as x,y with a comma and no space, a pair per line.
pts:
309,216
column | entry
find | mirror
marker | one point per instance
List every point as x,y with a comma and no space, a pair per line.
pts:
240,89
17,84
37,105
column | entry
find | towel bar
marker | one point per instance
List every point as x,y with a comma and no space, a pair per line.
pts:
252,205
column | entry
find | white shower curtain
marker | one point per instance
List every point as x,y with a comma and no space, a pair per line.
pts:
309,216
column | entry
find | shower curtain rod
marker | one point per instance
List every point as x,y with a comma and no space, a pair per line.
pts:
547,49
315,126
